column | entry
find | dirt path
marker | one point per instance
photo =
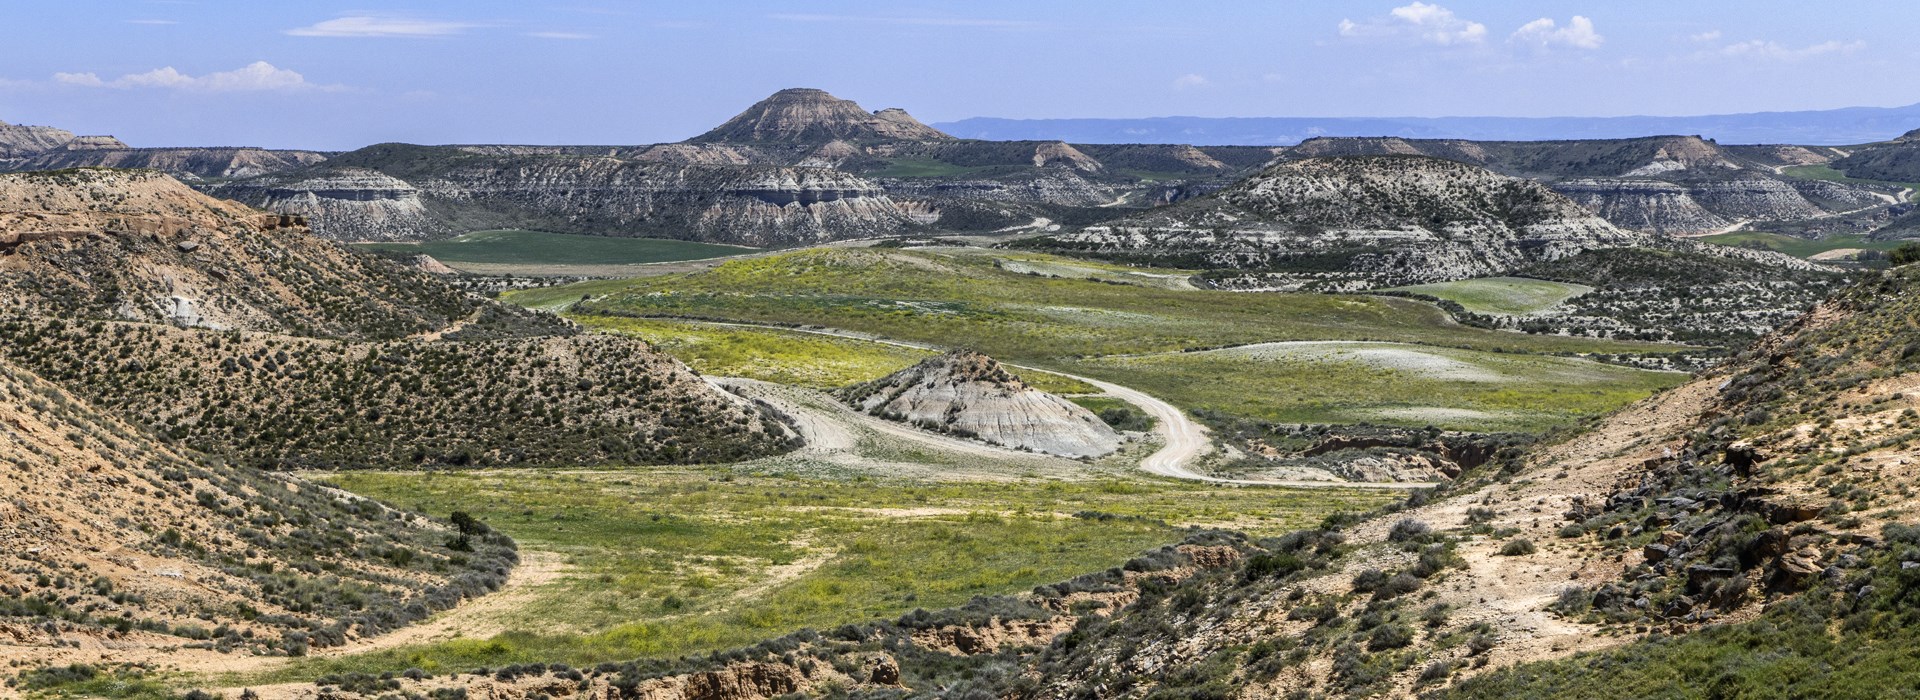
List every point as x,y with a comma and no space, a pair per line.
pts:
1183,441
478,618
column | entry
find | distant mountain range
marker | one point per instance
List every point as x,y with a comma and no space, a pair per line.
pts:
1833,127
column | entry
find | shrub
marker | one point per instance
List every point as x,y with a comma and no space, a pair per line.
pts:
1517,547
1408,530
1392,636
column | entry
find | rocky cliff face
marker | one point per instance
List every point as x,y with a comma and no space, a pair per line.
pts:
805,115
363,196
1653,206
1661,184
351,204
189,164
1359,222
966,393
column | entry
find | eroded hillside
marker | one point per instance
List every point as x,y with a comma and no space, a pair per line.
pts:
114,545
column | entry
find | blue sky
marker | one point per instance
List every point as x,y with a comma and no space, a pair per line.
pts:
322,74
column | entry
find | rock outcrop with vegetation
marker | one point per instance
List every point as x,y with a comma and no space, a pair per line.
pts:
1357,222
968,394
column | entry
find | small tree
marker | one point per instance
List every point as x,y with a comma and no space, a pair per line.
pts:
1907,252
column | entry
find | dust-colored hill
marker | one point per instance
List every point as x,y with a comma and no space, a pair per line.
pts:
969,394
141,246
133,291
18,140
281,402
113,544
1358,222
806,115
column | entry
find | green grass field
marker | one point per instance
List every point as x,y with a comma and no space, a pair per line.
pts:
964,299
920,167
787,357
1387,383
1078,325
1800,247
539,248
664,562
813,361
1507,296
1825,172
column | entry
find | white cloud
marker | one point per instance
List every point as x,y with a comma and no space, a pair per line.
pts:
575,36
382,27
924,21
1545,33
1709,36
81,79
1773,50
255,77
1191,80
1420,21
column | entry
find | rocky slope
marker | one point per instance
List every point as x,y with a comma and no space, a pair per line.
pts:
1356,223
969,394
806,115
284,402
1661,184
141,246
189,164
408,192
113,543
131,289
1897,161
18,140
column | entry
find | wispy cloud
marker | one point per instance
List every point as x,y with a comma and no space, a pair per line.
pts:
1190,81
383,27
1419,21
1705,37
922,21
255,77
569,36
1773,50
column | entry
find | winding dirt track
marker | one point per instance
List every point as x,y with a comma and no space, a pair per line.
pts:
1182,440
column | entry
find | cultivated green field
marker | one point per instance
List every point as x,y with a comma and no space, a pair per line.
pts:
540,248
1386,383
1506,296
1801,247
664,562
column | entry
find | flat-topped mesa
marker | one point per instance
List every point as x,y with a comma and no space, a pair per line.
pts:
96,143
969,394
806,115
